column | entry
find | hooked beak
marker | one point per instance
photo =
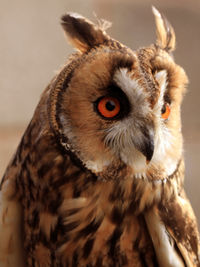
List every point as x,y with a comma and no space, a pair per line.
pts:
147,145
148,150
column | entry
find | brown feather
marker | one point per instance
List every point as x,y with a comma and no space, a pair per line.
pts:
165,33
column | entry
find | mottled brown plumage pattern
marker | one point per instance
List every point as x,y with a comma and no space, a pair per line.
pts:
86,190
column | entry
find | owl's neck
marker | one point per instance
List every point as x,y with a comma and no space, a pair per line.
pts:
46,172
145,189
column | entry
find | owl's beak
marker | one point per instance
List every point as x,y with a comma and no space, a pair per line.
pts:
148,150
147,146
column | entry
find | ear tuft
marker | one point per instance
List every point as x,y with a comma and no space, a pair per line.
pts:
82,33
165,33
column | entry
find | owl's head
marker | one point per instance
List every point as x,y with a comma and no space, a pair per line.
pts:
114,106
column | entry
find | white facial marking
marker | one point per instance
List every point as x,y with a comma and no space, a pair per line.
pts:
121,135
161,78
163,137
131,87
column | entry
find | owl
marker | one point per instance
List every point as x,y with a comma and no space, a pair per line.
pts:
97,179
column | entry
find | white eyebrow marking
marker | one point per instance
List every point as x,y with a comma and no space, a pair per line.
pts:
161,78
133,90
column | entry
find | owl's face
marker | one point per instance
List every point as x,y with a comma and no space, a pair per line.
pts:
119,105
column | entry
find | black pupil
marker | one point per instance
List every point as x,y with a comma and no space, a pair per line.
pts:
110,105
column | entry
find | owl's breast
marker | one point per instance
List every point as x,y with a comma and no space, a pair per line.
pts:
101,242
84,222
94,231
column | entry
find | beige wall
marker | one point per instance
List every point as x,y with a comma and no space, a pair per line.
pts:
32,47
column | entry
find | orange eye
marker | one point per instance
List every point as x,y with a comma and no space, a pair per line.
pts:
165,111
108,107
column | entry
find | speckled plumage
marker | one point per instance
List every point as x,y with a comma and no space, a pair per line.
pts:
79,191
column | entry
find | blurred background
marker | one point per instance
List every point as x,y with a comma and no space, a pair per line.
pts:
33,47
